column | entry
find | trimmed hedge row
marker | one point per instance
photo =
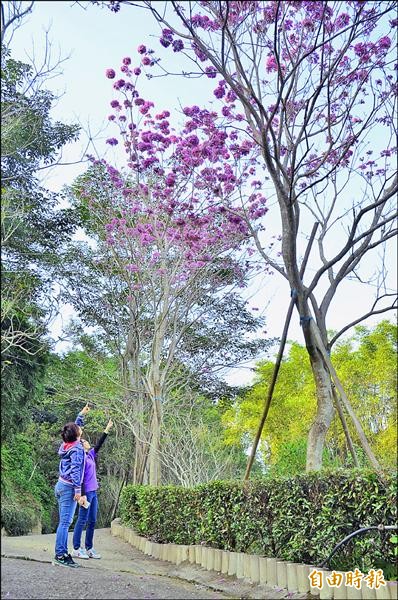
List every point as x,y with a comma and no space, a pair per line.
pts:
298,518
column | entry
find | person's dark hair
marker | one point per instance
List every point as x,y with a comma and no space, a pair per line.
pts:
70,432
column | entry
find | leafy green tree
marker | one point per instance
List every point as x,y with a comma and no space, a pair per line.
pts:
31,141
291,409
366,363
32,227
21,384
32,230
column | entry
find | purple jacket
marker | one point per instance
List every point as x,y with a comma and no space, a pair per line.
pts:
90,482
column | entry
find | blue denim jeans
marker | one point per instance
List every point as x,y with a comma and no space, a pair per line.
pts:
89,516
66,505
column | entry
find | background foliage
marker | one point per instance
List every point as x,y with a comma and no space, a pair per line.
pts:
366,363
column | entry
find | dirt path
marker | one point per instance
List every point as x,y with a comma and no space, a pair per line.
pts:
123,572
29,579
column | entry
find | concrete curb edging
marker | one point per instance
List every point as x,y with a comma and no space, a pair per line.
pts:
251,567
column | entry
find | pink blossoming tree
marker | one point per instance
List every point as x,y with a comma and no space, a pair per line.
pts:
315,85
169,238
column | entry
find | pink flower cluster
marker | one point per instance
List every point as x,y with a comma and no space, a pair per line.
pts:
184,182
354,56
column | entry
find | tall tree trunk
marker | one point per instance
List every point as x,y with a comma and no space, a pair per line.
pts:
154,449
323,386
140,447
324,375
324,414
135,398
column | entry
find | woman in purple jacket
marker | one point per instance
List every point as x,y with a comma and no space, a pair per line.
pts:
88,515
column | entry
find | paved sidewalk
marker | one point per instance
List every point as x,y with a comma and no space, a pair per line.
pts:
122,570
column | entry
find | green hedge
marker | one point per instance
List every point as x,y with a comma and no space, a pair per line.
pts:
297,518
26,497
16,520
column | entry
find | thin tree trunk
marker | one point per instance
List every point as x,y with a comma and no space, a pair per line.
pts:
154,449
116,503
139,461
345,427
278,359
143,474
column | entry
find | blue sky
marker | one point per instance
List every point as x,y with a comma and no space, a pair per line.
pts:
97,39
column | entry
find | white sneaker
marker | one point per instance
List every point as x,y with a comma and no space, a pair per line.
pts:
80,553
93,554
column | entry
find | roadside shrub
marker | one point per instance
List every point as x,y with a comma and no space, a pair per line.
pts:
167,514
298,518
26,496
128,504
16,520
